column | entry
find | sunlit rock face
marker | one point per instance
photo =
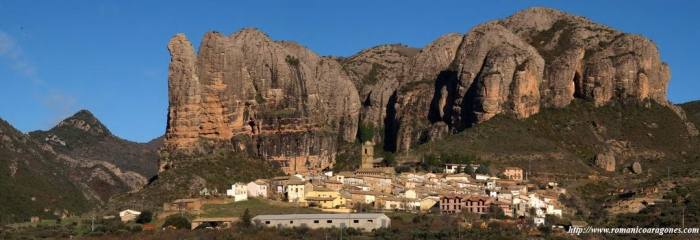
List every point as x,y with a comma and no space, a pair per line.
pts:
535,59
288,100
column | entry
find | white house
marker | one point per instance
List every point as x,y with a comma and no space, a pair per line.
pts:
553,210
295,190
454,167
491,184
539,221
481,177
129,215
535,201
257,188
239,192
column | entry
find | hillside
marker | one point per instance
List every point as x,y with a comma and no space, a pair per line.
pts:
566,141
33,182
84,136
70,168
214,171
692,109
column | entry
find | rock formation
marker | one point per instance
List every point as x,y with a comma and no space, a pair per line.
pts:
292,103
376,73
534,59
286,104
636,167
606,161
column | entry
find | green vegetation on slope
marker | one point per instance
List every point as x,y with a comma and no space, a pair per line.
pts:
256,207
190,174
94,141
692,109
33,182
566,140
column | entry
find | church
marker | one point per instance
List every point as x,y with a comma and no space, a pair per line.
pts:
370,165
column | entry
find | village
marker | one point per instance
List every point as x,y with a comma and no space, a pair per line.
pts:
365,194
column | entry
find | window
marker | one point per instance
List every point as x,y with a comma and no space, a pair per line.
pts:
315,221
291,222
267,222
370,220
355,221
329,221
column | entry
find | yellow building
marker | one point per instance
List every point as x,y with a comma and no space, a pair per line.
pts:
325,198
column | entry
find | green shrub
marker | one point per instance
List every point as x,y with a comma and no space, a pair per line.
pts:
144,217
246,219
177,221
291,60
366,132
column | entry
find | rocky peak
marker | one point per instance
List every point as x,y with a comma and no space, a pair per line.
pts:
84,121
434,58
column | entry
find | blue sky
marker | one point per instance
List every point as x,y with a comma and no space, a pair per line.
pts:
110,57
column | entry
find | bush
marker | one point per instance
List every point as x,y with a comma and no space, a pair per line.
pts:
144,217
135,228
177,221
291,60
483,169
246,219
389,160
366,132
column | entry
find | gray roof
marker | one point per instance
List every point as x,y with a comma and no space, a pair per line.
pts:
321,216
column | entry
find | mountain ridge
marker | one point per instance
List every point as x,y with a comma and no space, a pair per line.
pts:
80,154
535,59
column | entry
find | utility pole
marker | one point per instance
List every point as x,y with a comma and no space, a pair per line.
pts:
683,217
529,169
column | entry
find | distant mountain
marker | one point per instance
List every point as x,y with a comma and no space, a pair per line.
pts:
82,136
71,168
33,181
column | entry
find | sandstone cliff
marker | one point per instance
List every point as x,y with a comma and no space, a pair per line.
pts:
276,99
534,59
283,102
376,73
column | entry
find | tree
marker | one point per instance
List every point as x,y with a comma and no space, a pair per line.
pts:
389,160
495,212
144,217
366,132
246,218
483,169
177,221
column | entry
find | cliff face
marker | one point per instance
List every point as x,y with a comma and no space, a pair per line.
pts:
377,73
534,59
295,105
284,97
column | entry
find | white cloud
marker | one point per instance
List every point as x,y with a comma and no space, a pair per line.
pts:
12,53
57,102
